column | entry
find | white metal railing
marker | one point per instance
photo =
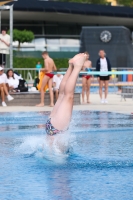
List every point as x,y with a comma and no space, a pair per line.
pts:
29,74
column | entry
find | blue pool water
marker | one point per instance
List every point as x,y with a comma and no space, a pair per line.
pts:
92,161
95,89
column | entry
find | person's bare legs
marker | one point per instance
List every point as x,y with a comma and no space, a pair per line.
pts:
8,88
50,83
61,118
100,88
2,94
106,83
84,85
44,83
61,89
88,90
56,94
5,89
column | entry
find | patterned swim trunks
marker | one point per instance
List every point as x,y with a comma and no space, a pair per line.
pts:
50,130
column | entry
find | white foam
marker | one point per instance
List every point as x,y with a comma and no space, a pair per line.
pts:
53,148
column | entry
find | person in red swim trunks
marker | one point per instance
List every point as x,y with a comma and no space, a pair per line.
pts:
48,78
86,79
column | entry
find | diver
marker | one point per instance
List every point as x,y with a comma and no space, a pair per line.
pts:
60,116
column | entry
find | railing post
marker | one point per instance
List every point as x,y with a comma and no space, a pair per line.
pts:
11,36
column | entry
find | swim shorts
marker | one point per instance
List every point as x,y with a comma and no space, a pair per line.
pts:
87,77
50,130
104,78
50,75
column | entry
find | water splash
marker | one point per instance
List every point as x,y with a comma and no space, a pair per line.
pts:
48,148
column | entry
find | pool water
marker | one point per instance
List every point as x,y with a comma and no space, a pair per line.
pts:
91,161
95,89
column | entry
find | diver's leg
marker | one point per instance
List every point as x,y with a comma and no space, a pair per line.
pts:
61,89
61,119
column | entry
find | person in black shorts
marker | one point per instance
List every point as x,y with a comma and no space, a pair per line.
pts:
103,65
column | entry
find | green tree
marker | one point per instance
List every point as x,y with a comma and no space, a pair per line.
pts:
88,1
22,36
125,2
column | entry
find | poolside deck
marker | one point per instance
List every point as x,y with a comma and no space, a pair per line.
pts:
33,98
114,105
111,84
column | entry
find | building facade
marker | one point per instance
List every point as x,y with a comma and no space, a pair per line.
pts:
57,25
113,2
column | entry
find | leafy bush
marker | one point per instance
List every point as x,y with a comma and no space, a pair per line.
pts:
22,36
31,62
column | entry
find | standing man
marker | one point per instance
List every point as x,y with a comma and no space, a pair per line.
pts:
48,78
4,46
103,65
86,79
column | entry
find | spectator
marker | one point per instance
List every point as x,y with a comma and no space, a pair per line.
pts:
12,81
38,66
86,79
119,90
3,87
56,84
103,65
17,75
4,46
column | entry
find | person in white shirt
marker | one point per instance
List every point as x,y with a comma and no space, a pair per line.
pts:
17,76
103,65
12,81
4,46
3,87
56,84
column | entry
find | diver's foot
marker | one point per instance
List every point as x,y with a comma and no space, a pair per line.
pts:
79,60
40,105
88,102
72,60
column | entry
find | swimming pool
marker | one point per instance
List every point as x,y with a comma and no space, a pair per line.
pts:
95,89
96,162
